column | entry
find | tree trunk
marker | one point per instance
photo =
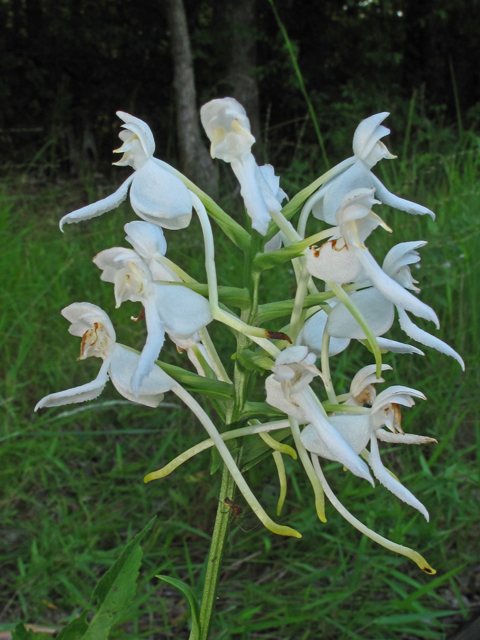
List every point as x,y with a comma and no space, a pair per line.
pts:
194,157
240,16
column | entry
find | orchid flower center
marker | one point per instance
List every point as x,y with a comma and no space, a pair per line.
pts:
96,342
130,284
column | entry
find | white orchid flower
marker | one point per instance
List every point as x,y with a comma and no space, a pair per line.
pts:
368,150
156,195
345,258
168,308
93,325
150,244
358,430
379,309
361,388
228,128
288,390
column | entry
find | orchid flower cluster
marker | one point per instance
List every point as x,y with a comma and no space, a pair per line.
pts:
342,294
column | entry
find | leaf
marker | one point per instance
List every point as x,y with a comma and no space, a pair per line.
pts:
194,607
194,382
20,633
260,410
115,589
75,628
255,361
273,310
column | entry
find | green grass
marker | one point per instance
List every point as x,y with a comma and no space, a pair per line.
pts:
72,477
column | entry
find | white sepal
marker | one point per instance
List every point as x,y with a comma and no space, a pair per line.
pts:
388,481
376,309
427,339
183,311
153,345
85,392
154,385
98,208
161,198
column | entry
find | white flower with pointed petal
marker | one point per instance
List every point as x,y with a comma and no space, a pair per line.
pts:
168,308
288,390
361,387
368,150
156,195
346,259
358,430
228,128
93,325
379,310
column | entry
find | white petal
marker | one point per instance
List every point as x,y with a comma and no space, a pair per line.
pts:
392,290
402,438
110,261
83,315
269,194
394,201
141,130
154,385
335,443
355,177
333,264
83,393
365,377
368,133
401,255
161,198
245,170
354,429
183,311
147,239
276,398
311,335
153,345
273,181
398,347
378,312
397,394
97,208
226,124
390,482
427,339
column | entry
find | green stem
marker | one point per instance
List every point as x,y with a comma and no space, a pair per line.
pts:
215,556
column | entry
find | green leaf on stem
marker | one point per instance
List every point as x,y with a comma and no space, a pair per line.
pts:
274,310
254,360
192,600
260,410
194,382
116,588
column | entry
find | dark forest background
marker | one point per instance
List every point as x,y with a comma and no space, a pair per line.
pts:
67,66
